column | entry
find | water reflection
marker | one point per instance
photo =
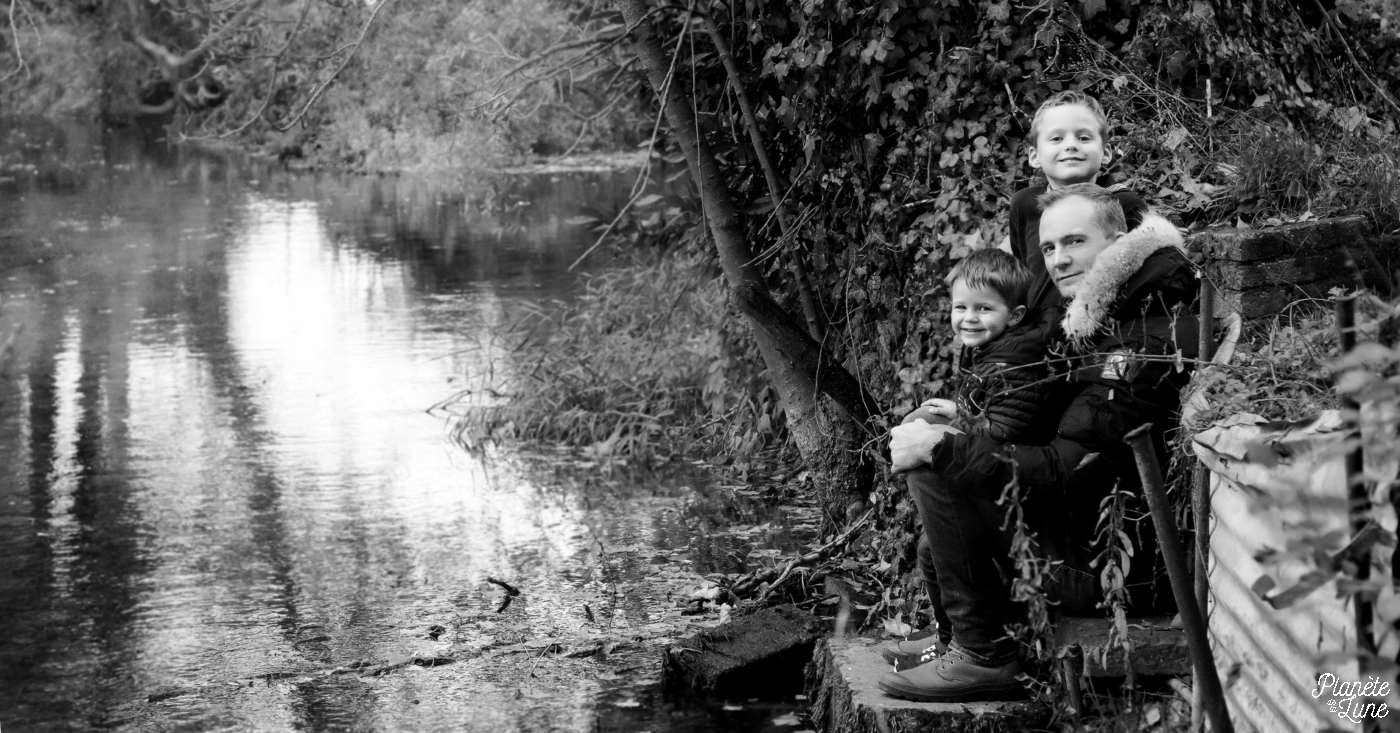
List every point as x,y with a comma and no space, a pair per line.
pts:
217,468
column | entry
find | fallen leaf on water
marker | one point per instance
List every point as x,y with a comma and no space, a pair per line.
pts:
788,719
629,703
732,707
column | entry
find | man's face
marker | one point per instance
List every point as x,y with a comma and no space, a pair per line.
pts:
1070,241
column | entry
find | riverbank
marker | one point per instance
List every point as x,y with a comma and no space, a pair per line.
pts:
223,503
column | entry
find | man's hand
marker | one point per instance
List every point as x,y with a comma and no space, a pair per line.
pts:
912,444
940,406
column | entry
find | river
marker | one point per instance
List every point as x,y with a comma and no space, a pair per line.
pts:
225,504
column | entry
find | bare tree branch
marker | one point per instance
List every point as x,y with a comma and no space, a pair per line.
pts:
172,63
276,70
321,88
802,279
19,53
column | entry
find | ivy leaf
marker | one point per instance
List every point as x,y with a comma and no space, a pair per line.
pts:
1262,100
1001,12
1094,7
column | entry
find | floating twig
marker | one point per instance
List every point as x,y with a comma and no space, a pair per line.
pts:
512,590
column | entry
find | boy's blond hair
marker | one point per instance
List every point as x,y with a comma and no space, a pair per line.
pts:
1064,99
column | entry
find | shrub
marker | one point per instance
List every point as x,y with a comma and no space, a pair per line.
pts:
643,349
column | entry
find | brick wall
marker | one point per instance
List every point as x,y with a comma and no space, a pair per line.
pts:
1260,271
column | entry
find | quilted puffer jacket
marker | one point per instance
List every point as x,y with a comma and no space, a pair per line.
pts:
1004,386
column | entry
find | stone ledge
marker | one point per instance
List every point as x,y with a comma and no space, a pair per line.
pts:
1271,300
1158,649
842,685
1333,265
1303,238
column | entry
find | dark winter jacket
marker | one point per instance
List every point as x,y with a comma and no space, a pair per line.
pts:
1025,243
1124,328
1004,386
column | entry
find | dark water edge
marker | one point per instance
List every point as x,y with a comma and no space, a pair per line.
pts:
222,498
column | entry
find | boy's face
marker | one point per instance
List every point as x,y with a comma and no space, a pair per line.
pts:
1069,145
1071,240
980,315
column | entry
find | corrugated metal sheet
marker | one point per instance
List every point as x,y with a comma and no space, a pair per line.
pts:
1272,488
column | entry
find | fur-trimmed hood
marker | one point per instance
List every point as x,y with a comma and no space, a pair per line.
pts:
1119,278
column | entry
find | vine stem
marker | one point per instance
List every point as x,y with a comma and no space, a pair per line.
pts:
800,273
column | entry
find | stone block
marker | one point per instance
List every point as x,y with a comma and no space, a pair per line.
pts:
1287,271
1303,238
1273,300
842,686
1158,649
761,654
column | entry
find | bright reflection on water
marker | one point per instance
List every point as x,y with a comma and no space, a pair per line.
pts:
216,461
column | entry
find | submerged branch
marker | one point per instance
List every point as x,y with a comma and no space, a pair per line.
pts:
752,581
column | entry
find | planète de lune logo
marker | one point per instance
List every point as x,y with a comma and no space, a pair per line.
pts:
1348,699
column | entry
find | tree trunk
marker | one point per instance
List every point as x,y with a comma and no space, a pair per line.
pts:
829,443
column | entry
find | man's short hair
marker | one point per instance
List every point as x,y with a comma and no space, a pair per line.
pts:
1108,210
997,270
1064,99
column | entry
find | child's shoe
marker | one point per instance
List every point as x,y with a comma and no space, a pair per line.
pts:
954,677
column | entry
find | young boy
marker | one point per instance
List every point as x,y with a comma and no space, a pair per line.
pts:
1001,371
1001,391
1069,144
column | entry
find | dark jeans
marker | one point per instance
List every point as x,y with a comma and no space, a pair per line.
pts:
935,594
969,555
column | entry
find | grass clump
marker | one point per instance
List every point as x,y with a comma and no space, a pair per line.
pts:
1278,370
1281,369
641,351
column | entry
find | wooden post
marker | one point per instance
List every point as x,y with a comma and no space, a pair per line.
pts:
1358,498
1069,668
1200,494
1200,488
1173,554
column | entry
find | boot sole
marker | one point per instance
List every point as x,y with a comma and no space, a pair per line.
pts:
975,693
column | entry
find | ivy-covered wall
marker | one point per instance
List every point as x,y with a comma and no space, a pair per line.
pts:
900,129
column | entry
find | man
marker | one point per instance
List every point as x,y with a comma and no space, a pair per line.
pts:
1127,321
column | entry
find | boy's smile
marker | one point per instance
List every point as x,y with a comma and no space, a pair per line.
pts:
981,315
1069,146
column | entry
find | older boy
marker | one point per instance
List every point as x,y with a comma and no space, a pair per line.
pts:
1069,144
1128,297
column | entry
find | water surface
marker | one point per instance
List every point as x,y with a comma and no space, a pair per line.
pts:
223,499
